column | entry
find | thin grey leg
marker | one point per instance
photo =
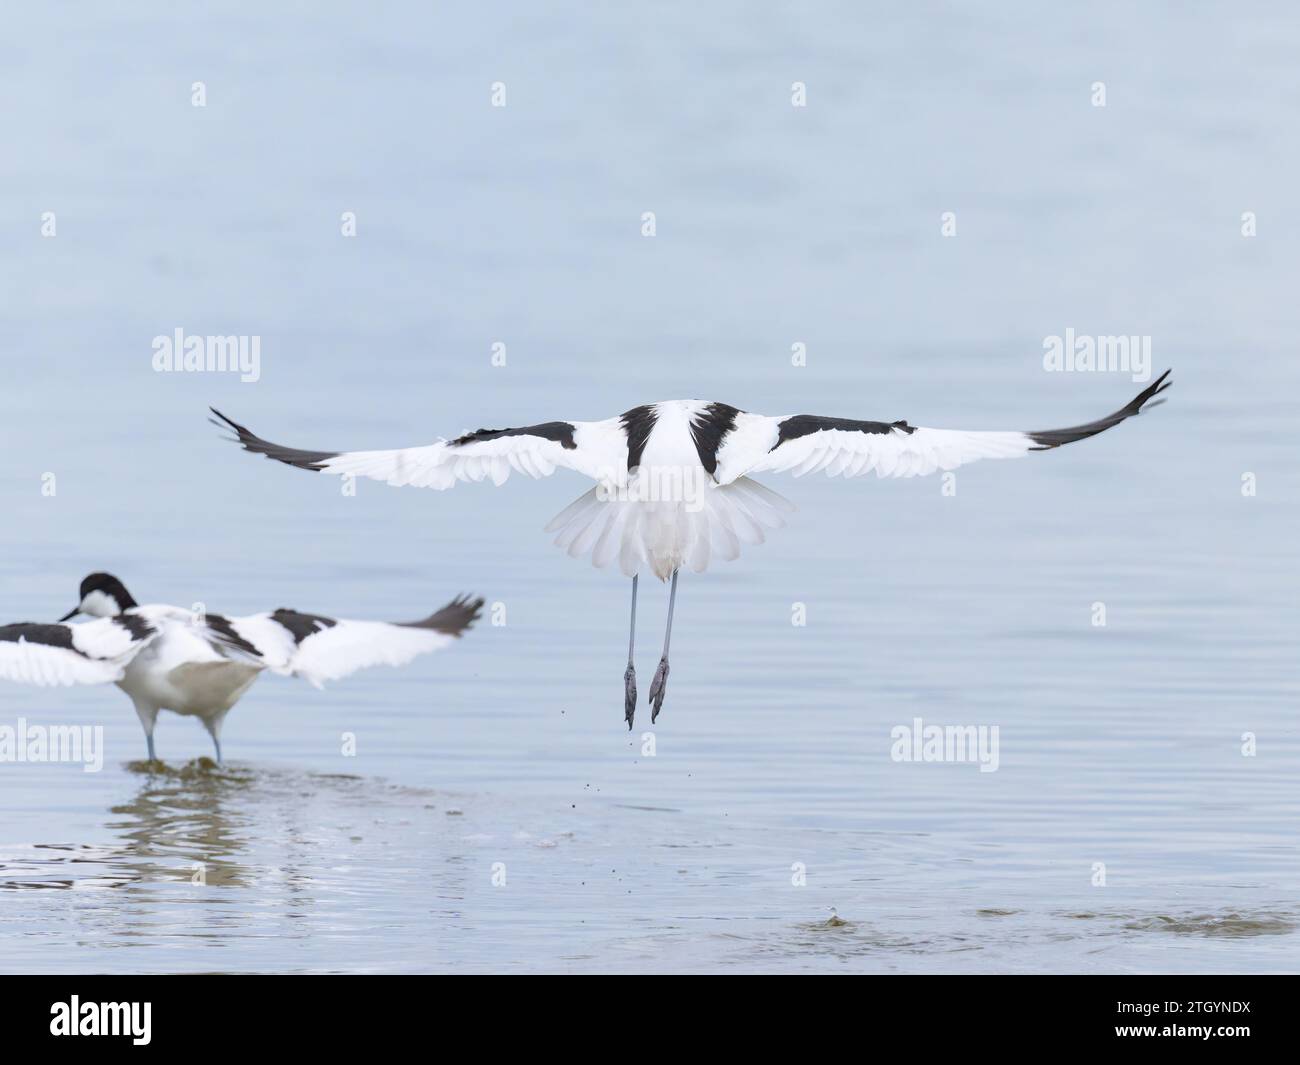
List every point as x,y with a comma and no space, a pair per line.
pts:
629,677
148,715
660,681
217,744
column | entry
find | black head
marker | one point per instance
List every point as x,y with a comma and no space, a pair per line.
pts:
102,596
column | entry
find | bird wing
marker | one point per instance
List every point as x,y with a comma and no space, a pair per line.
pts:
93,652
806,443
319,648
595,449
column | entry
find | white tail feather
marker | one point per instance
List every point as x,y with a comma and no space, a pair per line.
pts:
665,535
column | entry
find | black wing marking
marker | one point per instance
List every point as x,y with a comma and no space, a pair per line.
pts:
35,632
558,432
453,619
637,424
709,430
1050,438
61,636
304,460
137,626
806,424
300,625
93,652
228,638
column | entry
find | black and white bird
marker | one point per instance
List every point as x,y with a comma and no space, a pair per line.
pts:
198,664
673,484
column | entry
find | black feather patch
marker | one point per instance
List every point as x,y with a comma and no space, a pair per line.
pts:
637,424
807,424
1049,438
228,635
559,432
61,635
453,619
134,624
304,460
34,632
709,430
300,625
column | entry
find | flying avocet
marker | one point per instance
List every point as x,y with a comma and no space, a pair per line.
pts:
672,479
199,664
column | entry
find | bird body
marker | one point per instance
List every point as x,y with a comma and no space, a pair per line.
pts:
183,671
199,664
674,480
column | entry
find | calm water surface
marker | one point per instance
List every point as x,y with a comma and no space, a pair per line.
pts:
506,757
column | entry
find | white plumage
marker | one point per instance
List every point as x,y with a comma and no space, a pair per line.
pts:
98,653
669,534
840,452
199,665
674,483
673,479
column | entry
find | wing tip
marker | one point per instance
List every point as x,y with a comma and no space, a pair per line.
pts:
456,617
1046,439
290,456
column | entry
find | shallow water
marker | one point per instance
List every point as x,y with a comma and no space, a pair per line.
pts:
506,757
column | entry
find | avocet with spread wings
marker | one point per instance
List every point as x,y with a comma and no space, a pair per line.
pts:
200,664
673,479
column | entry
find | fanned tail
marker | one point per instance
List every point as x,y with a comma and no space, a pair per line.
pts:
667,535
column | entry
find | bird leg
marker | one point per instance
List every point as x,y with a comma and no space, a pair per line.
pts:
629,677
213,725
148,715
660,681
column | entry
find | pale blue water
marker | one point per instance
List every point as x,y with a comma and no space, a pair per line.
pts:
775,225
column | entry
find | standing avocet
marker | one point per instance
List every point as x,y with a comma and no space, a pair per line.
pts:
199,664
672,485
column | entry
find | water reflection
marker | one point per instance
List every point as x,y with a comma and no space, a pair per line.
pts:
57,865
243,857
186,823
